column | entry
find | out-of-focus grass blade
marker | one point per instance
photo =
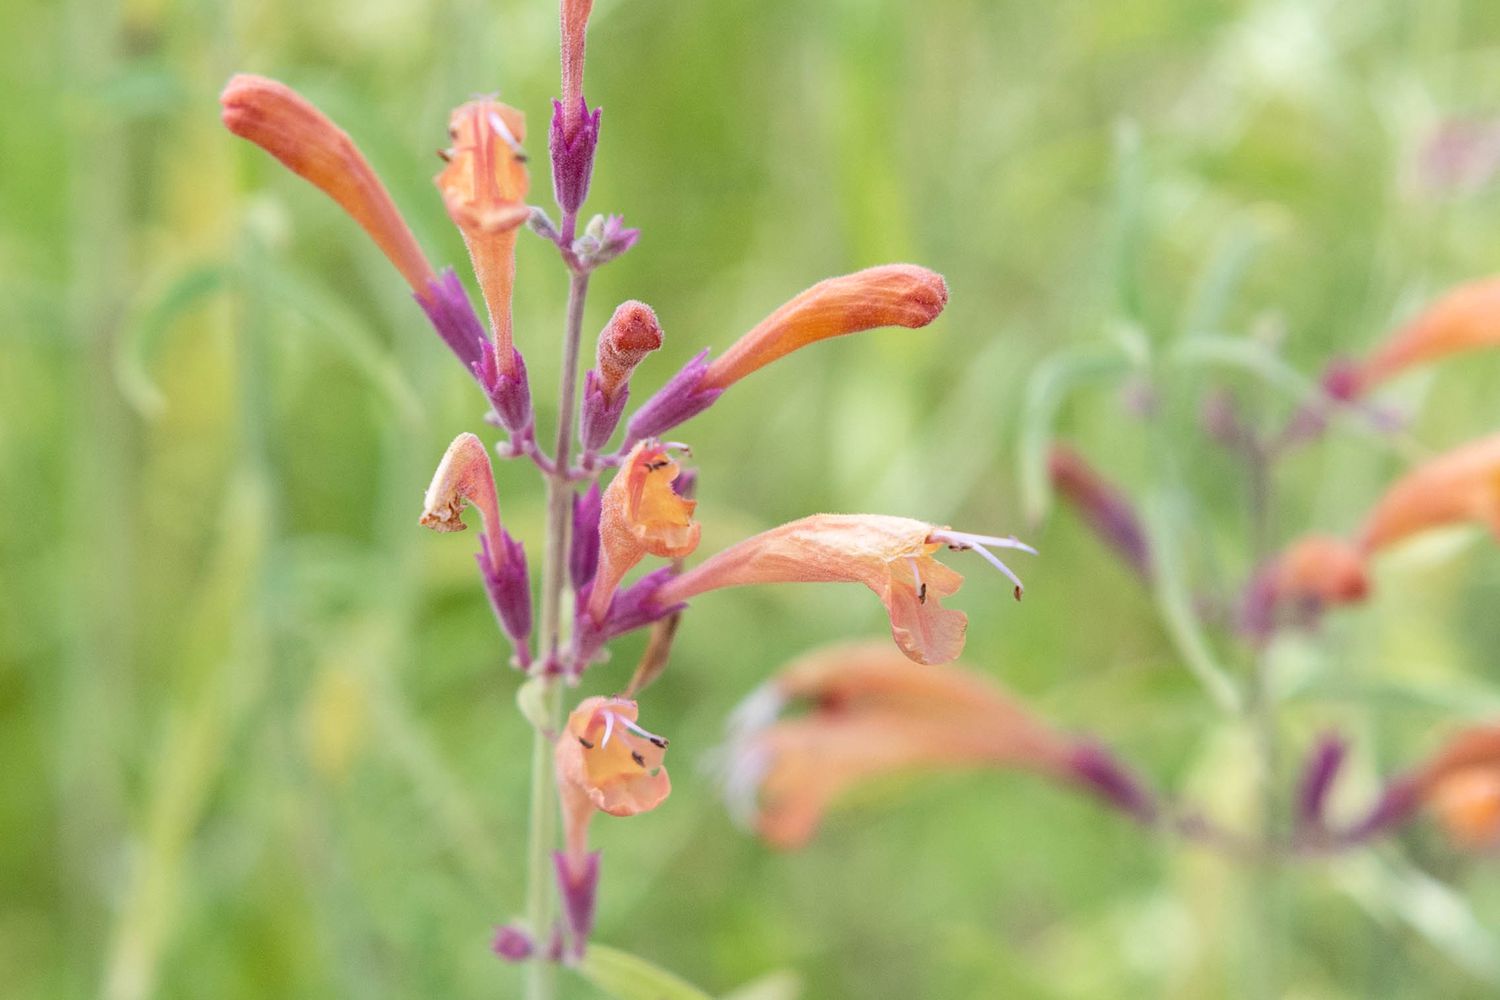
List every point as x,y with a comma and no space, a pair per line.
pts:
347,334
1174,600
1046,391
629,977
1130,201
1452,697
1393,892
139,344
781,985
1221,277
1252,357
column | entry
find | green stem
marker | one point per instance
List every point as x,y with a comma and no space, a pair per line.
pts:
541,983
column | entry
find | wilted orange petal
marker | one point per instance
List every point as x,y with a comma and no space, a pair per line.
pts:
463,477
891,295
1460,486
284,124
1465,319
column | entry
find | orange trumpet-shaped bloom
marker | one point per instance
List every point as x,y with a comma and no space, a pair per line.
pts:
1465,319
891,295
1320,570
893,556
870,714
607,763
1461,786
285,124
641,515
464,477
484,189
1459,486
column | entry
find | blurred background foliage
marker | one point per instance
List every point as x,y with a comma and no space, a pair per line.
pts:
258,732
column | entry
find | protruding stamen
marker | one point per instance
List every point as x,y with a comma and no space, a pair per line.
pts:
962,541
497,124
660,741
609,728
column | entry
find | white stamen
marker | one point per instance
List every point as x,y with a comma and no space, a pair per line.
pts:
609,728
498,125
976,543
644,734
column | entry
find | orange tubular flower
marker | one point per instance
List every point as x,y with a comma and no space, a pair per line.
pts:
871,714
484,188
463,477
893,556
284,124
642,514
607,763
1462,485
1321,570
575,22
1465,319
891,295
1461,785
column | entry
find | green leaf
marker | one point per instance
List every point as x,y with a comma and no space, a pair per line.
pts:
780,985
1046,391
629,977
142,337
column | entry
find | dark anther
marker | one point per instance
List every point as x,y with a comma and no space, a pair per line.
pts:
1017,592
586,744
653,466
922,594
659,741
635,755
445,155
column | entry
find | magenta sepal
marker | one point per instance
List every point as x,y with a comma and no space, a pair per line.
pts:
678,400
1097,769
583,555
578,888
452,315
1318,775
509,589
513,944
598,415
510,395
631,608
573,157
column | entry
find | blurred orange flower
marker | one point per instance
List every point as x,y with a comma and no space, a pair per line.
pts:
1465,319
1460,486
870,714
642,514
1461,786
893,556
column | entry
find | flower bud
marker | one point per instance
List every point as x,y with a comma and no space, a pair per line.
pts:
513,944
631,334
583,556
681,398
572,149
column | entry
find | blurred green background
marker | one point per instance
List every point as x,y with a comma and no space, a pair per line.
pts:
258,732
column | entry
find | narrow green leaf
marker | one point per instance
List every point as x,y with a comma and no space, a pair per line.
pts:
780,985
629,977
1046,391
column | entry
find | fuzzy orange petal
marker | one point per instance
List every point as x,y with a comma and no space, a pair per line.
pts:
1460,486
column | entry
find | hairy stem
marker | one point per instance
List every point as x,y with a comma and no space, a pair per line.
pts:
541,975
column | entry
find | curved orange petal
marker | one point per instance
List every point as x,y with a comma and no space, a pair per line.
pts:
1462,485
1466,318
890,555
285,124
891,295
641,514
